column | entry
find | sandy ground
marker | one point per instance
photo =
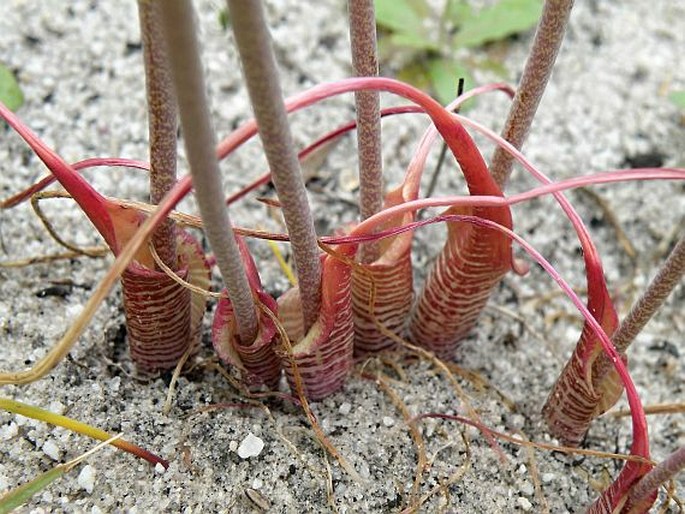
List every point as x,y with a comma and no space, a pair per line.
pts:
79,64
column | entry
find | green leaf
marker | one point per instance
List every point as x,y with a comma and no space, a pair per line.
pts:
224,19
403,16
10,92
15,498
678,98
497,22
415,73
444,76
410,40
456,11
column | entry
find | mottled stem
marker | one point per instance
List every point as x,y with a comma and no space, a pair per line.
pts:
650,302
161,123
648,484
548,38
666,279
365,64
261,76
186,67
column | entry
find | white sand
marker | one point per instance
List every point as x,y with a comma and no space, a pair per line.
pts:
80,69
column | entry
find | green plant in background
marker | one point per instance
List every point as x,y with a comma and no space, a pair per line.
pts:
678,98
429,43
10,92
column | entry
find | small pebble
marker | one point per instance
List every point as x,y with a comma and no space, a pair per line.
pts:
114,384
345,408
7,432
251,446
86,478
51,449
527,489
388,421
233,446
257,483
547,477
524,503
159,469
57,407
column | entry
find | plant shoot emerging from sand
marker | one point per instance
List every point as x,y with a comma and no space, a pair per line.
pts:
347,303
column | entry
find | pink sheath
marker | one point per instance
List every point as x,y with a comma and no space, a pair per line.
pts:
576,398
324,356
614,499
469,267
257,361
394,295
163,317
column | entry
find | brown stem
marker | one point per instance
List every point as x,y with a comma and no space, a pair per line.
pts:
186,68
664,282
649,483
548,38
365,63
261,76
648,304
161,125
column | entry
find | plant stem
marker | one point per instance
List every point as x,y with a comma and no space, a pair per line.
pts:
365,63
548,38
186,67
261,76
662,472
161,123
652,299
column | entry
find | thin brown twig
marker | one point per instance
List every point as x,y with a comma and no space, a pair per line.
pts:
611,218
659,408
535,474
421,461
89,251
304,403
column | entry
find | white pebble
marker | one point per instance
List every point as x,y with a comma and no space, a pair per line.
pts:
159,469
345,408
114,384
72,311
251,446
86,478
7,432
388,421
527,489
524,503
257,483
233,446
57,407
547,477
51,449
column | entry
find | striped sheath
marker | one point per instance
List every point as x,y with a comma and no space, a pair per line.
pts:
616,499
163,318
257,361
470,265
391,279
582,392
324,356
